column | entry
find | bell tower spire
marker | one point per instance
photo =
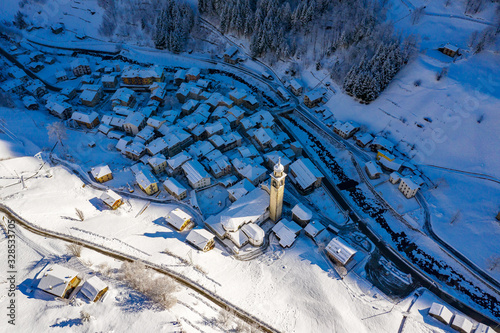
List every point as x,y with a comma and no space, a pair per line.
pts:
277,191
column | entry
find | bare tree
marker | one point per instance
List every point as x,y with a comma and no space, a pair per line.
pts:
80,214
493,263
417,14
85,316
57,132
74,249
224,318
158,290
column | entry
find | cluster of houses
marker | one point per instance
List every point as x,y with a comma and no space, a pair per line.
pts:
65,283
457,321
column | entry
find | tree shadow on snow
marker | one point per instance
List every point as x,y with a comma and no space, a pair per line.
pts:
68,323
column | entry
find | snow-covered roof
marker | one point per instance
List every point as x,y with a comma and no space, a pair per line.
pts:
238,237
79,62
174,186
295,84
372,168
100,171
145,178
178,160
123,94
92,287
410,183
137,71
440,311
123,142
29,101
55,279
157,160
451,47
313,228
231,51
238,94
340,250
199,238
253,172
393,165
285,235
315,94
276,156
88,95
194,71
247,209
177,218
264,135
306,172
195,172
253,231
396,176
302,212
110,197
84,117
135,119
482,328
241,188
383,143
108,78
364,138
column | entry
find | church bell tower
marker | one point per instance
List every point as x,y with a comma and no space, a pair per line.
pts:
277,191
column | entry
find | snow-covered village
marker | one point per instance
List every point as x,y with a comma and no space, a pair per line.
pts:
250,166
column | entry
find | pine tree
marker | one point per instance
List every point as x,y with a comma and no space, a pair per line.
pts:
19,20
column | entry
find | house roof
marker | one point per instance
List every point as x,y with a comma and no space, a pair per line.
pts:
55,279
238,94
439,310
135,119
195,172
306,172
247,209
315,94
238,237
302,212
145,178
178,160
177,217
123,94
253,231
285,235
410,183
92,287
194,71
383,142
241,188
313,228
174,186
110,197
157,160
88,95
252,172
100,171
199,238
137,71
373,169
79,62
340,250
295,84
231,51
